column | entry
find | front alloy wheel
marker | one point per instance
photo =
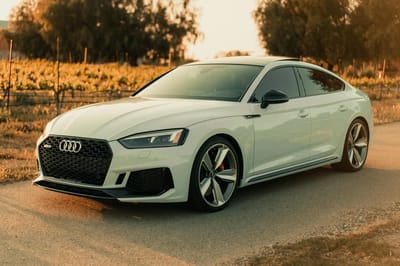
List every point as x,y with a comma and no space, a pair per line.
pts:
355,148
214,175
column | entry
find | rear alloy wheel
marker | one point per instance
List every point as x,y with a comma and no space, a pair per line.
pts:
355,147
214,175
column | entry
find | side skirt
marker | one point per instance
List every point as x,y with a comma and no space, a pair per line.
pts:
289,170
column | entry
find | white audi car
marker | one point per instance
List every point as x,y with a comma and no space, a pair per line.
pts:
202,130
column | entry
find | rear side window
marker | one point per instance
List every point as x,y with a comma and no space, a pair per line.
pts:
282,79
317,82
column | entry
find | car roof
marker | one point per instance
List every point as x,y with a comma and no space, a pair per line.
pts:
245,60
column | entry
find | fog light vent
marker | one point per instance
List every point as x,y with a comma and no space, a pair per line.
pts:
120,179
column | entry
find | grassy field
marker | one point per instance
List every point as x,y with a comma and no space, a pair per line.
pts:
41,75
19,132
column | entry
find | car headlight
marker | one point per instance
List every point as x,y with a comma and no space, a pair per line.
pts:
155,139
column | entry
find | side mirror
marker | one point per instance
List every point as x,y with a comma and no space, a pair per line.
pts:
273,97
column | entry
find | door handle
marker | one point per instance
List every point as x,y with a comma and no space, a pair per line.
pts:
303,114
342,108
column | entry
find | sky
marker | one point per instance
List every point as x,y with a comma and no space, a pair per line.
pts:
226,25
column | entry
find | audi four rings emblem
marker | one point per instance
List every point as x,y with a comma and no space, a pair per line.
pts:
67,145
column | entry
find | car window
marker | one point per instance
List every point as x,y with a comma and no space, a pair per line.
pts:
282,79
317,82
223,82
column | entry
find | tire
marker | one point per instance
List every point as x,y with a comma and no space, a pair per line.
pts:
355,148
215,174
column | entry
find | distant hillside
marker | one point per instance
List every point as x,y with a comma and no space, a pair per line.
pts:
3,24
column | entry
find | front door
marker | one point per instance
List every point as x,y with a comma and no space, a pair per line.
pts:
282,132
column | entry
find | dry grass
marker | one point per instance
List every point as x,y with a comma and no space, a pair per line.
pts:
374,245
39,75
386,111
19,131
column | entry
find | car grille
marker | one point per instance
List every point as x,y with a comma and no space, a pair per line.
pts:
89,165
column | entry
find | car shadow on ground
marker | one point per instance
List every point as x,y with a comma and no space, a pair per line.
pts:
252,195
294,192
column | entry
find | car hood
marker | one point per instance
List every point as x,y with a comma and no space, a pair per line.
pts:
117,119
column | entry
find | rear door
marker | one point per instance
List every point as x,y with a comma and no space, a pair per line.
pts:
328,108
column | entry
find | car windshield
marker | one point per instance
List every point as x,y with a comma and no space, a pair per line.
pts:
208,82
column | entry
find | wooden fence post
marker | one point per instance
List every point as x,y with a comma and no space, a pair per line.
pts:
85,56
9,75
57,89
384,68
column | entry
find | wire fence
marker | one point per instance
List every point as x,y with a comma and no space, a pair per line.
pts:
32,98
33,82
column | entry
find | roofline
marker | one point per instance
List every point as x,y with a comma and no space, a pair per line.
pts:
245,60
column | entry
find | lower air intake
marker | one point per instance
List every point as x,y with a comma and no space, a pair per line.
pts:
150,182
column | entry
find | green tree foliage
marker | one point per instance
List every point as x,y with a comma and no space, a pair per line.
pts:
234,53
330,30
378,24
28,37
325,31
111,30
311,28
282,26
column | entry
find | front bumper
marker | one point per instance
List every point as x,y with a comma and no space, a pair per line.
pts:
134,175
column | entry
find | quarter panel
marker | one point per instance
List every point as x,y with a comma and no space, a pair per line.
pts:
331,116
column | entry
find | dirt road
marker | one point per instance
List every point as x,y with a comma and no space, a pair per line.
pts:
39,227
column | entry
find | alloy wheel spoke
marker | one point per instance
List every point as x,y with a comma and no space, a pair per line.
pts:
220,157
207,162
351,155
205,185
357,157
351,140
228,175
218,196
361,143
357,132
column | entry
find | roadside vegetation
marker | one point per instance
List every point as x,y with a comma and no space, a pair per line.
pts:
372,247
35,82
377,242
